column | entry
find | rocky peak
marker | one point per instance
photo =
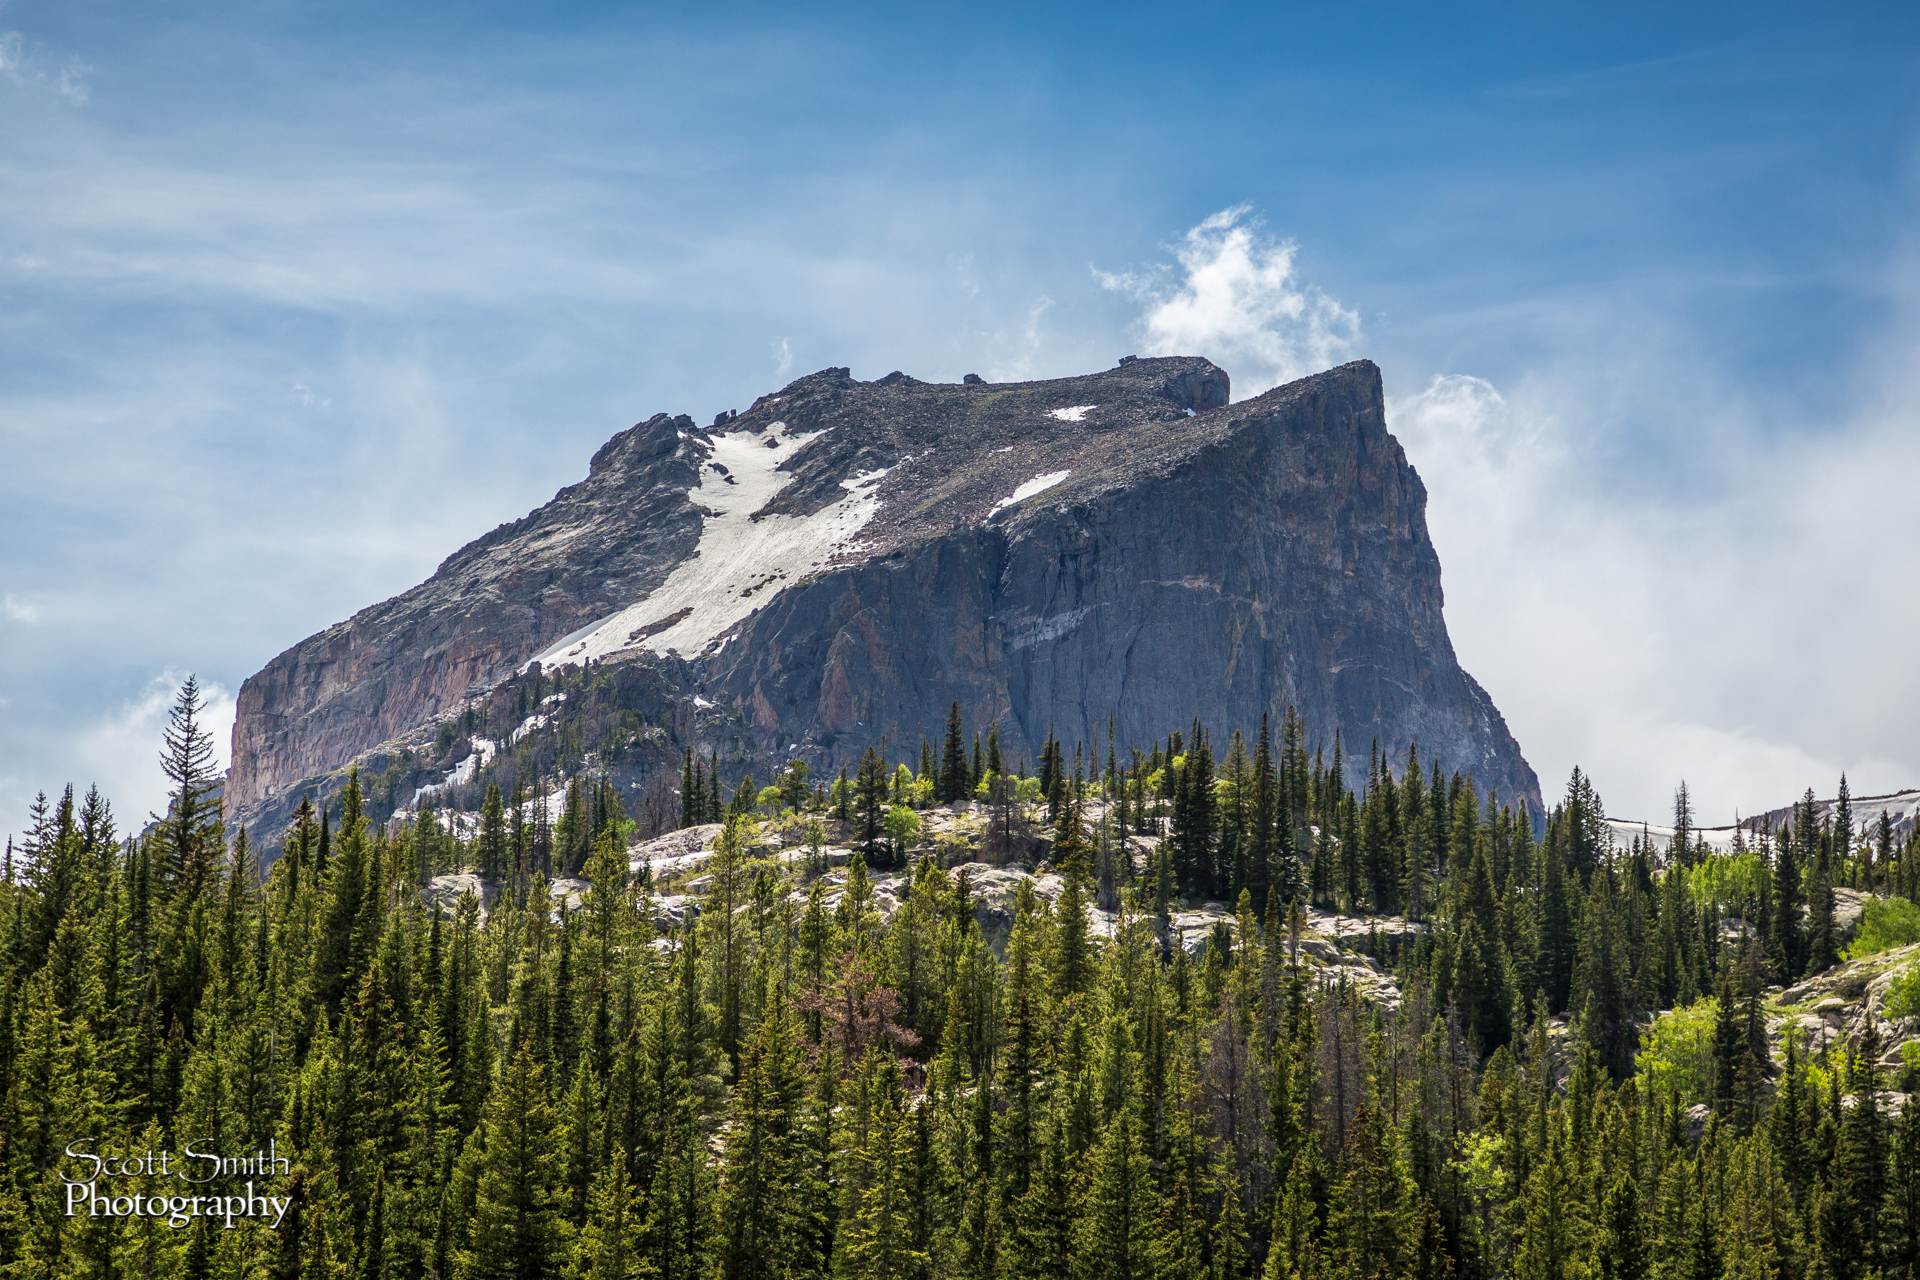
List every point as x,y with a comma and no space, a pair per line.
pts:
835,564
642,443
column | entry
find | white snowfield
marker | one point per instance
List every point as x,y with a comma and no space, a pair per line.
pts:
1901,807
1037,485
1072,413
1719,839
741,562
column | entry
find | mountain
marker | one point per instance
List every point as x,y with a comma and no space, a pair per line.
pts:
835,565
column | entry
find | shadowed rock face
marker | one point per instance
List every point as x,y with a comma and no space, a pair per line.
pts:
1047,553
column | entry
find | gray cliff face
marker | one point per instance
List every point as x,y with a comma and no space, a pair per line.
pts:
1267,555
398,664
1050,554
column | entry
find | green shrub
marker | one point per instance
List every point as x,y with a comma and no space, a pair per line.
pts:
1885,924
1677,1050
1730,883
1903,996
903,826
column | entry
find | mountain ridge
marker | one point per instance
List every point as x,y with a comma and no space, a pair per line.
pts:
1129,544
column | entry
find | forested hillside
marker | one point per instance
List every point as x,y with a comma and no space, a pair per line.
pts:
1193,1008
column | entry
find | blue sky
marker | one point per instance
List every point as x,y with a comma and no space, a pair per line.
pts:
294,300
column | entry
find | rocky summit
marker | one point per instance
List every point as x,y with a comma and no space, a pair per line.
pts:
1098,557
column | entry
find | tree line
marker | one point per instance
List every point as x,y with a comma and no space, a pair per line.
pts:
792,1082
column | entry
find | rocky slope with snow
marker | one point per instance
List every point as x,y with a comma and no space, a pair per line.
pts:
833,566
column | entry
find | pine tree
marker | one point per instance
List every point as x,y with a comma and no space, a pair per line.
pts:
1369,1219
1620,1248
190,830
1823,948
1756,1227
955,775
1850,1214
1604,1000
692,808
1903,1224
343,941
877,1240
1785,951
492,843
1680,844
517,1232
1114,1233
762,1224
871,791
1551,1244
1729,1044
1041,1211
1479,982
612,1244
1843,832
1557,940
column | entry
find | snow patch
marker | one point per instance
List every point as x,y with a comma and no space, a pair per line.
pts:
1901,807
1037,485
740,562
1719,839
460,775
531,724
1072,413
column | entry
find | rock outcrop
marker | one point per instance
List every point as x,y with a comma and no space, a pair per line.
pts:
835,565
1335,948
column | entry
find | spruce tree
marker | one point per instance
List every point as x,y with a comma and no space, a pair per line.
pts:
517,1232
1785,949
955,775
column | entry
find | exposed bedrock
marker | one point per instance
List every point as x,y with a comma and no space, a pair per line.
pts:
1048,553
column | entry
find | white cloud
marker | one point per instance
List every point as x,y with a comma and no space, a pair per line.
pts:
1730,608
1234,298
20,609
120,751
1748,630
782,357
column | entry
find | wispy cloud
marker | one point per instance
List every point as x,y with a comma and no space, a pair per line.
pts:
1747,635
392,225
29,65
1232,295
123,746
782,358
117,749
20,609
1016,352
1731,611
